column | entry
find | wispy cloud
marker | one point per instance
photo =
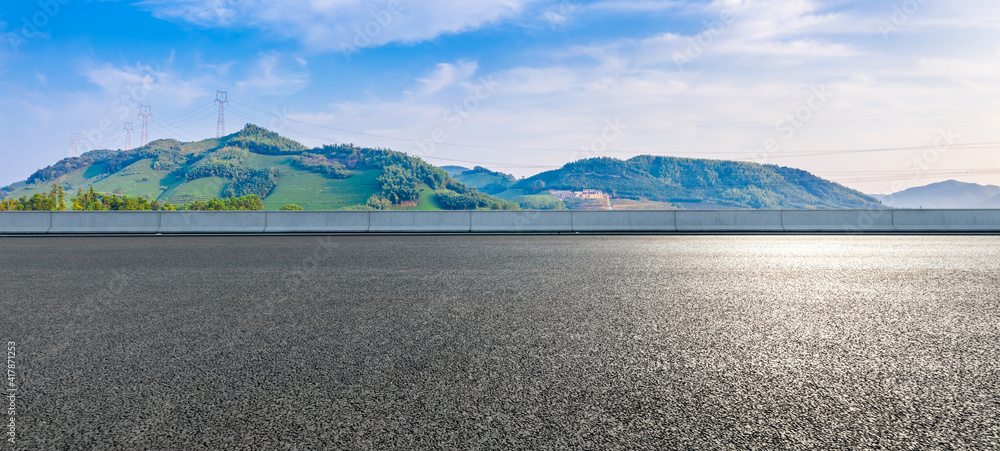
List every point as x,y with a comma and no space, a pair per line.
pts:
636,5
765,65
334,25
270,77
556,87
447,74
113,78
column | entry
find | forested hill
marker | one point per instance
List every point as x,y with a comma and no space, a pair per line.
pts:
284,173
256,161
698,183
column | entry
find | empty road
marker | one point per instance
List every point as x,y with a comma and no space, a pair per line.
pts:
544,342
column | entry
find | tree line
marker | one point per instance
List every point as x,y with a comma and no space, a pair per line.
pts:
321,165
243,181
90,200
262,141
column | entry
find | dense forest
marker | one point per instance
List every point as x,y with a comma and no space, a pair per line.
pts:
472,201
402,175
265,142
321,165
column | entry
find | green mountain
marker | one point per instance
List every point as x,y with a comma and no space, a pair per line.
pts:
281,172
257,161
499,184
484,179
698,183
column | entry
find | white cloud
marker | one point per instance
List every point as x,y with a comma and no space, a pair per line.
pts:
760,68
779,28
446,75
221,69
113,79
764,67
269,77
554,18
806,48
141,82
790,31
342,25
636,5
946,14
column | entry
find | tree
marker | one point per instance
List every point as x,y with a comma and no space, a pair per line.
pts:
473,200
291,207
378,202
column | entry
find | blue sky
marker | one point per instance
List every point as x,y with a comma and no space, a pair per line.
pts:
878,95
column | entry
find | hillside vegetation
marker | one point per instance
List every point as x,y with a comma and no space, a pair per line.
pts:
261,163
90,200
697,183
282,172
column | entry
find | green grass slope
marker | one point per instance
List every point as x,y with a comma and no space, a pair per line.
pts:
480,178
314,192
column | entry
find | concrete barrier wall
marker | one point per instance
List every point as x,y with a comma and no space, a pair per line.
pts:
849,221
729,221
516,221
624,221
33,222
317,221
102,222
946,220
212,221
565,221
421,221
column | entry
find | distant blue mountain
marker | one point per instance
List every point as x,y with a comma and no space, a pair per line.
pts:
947,194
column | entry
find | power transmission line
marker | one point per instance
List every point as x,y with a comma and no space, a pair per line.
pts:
145,111
198,114
221,99
128,136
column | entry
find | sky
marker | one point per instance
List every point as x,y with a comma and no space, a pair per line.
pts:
876,95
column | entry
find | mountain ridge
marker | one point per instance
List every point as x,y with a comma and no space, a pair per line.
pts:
700,183
282,171
257,161
946,195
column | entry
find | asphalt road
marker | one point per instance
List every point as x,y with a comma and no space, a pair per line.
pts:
547,342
